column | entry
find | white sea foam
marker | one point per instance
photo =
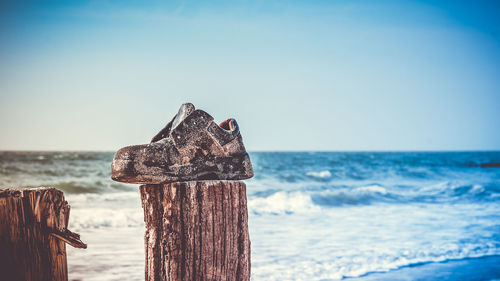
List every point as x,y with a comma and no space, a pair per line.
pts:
282,203
106,210
106,217
372,188
306,201
451,190
321,175
477,188
354,241
356,265
84,198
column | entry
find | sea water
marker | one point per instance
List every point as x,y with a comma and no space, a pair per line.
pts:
312,215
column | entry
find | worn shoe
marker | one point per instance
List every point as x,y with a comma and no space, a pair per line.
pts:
191,147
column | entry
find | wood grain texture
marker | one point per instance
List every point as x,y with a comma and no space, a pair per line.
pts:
196,230
31,219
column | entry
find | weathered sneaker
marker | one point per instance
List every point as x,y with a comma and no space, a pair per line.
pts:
191,147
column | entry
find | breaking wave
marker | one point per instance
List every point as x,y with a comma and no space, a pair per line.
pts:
320,175
282,203
106,218
299,201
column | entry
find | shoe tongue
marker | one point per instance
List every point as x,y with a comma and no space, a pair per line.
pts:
185,110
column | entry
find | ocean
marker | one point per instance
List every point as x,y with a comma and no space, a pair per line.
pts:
312,215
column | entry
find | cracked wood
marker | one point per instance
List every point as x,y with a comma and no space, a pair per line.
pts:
33,232
196,230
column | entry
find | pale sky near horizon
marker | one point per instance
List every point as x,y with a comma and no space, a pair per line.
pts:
296,75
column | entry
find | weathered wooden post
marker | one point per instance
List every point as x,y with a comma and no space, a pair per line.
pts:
33,234
196,230
195,209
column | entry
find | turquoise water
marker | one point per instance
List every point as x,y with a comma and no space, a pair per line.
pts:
313,216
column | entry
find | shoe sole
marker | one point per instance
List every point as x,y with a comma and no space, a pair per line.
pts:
236,167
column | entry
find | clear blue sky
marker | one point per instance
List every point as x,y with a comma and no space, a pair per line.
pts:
297,75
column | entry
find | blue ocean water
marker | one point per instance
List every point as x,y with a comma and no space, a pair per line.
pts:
312,215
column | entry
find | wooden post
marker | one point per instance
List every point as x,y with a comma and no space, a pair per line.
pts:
33,234
196,230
